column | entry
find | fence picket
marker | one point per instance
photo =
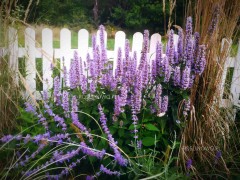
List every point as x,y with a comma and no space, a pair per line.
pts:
235,86
83,37
47,52
120,37
30,60
153,42
13,48
47,57
137,44
65,47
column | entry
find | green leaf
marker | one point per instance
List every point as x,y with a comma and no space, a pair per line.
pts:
147,120
148,141
112,130
151,127
124,116
121,132
131,127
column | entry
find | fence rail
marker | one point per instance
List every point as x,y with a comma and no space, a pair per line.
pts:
48,53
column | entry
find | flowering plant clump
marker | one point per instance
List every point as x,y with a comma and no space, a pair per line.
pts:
96,117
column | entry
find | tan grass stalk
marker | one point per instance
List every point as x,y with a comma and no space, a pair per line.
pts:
9,91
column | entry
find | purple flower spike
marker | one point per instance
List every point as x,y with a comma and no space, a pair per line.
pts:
45,96
143,59
201,60
92,87
74,104
76,122
84,84
215,19
188,51
170,48
88,151
191,81
6,138
158,98
154,70
65,101
89,178
64,73
164,105
166,69
177,76
189,28
119,69
117,105
218,156
108,171
189,163
102,42
196,43
72,75
117,155
185,78
77,69
158,58
57,92
30,108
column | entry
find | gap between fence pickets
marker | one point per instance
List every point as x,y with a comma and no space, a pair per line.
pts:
47,52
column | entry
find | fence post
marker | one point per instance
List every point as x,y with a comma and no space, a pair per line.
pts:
47,57
13,53
30,61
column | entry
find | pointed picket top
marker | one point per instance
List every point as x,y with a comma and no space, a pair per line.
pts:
153,43
98,38
120,38
30,61
47,59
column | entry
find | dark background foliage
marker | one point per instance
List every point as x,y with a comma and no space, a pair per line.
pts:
128,14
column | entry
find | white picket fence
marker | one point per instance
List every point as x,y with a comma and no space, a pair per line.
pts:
48,53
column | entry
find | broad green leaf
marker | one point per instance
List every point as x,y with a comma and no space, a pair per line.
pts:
113,130
131,127
151,127
124,115
121,132
148,141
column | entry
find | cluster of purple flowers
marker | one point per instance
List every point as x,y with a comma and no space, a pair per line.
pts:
113,144
129,81
108,171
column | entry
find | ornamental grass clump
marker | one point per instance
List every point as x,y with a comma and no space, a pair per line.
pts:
95,117
212,126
